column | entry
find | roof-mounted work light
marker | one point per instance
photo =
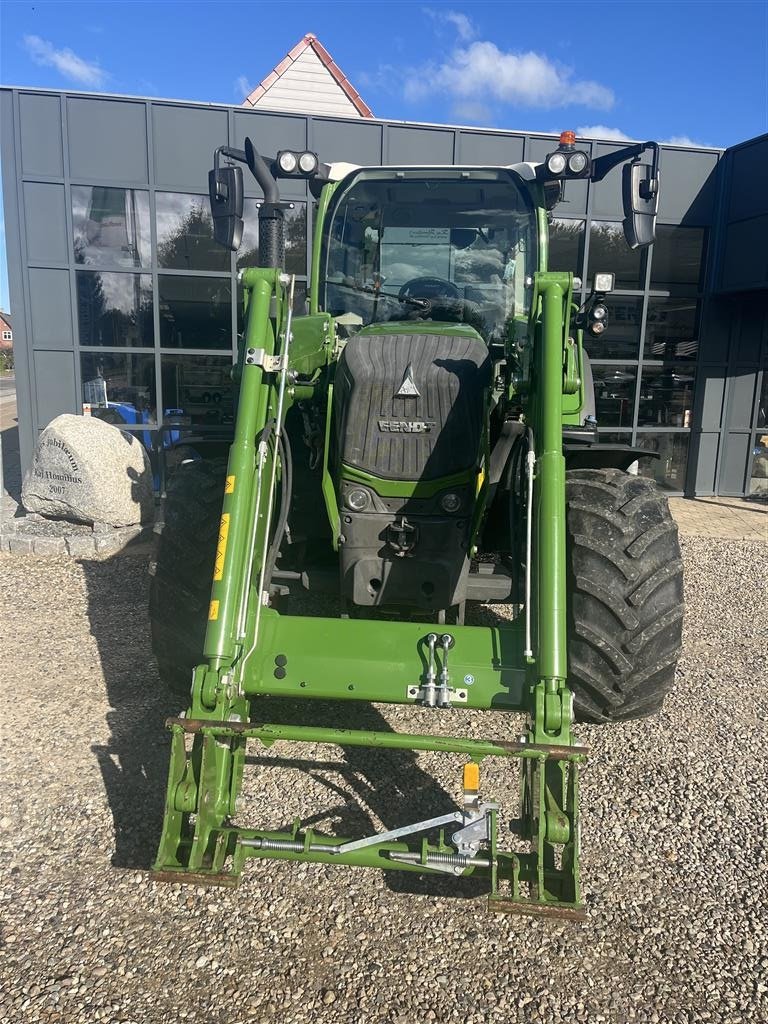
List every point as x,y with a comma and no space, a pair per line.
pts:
290,164
566,162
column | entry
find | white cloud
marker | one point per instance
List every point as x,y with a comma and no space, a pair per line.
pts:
66,62
460,22
243,87
470,112
601,131
480,71
683,140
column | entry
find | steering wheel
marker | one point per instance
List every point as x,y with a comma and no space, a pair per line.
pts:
429,288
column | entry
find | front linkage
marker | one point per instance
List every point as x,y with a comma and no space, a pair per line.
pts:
252,651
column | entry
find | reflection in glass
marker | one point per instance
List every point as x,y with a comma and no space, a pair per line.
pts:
762,408
110,226
195,312
670,331
198,389
666,396
676,258
119,386
609,253
615,437
185,234
621,338
295,238
566,245
669,469
114,309
758,477
614,394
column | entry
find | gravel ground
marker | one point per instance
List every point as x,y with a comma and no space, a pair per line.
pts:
675,842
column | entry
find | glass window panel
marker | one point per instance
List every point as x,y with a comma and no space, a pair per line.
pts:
197,389
614,394
111,226
609,253
762,408
114,309
615,436
671,329
185,234
676,258
666,396
295,238
119,386
669,469
566,245
195,312
621,338
758,477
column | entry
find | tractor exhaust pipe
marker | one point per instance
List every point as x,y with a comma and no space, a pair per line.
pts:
271,218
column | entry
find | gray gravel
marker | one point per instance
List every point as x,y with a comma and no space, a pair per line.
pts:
675,842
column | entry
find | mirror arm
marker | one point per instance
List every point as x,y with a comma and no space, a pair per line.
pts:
603,164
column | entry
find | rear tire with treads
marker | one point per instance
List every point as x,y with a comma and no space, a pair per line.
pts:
182,568
625,595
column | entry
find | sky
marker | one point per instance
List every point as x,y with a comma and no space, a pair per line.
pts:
693,73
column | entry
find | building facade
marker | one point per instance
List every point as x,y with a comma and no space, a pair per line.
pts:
119,293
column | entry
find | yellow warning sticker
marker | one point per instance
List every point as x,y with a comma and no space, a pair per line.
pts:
213,611
221,548
229,487
480,480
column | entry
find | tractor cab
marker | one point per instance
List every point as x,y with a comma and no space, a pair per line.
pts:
431,245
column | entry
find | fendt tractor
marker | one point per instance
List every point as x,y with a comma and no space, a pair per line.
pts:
424,438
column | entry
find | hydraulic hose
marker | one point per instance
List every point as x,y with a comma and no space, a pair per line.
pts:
286,492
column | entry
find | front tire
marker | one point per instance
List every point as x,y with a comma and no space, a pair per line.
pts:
625,595
182,569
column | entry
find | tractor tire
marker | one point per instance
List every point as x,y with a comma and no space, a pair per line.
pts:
625,595
182,569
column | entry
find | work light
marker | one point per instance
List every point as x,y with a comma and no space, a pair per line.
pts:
296,165
307,163
556,163
287,161
577,162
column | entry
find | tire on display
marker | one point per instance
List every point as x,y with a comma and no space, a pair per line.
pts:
181,572
625,595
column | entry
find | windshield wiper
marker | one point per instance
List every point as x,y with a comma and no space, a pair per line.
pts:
352,285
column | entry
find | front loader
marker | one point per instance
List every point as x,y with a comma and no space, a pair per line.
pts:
423,438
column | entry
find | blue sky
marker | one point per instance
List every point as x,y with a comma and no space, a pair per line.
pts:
692,72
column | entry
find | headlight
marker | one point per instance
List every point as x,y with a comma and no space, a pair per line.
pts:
450,502
599,311
357,499
597,327
287,162
307,163
577,162
556,163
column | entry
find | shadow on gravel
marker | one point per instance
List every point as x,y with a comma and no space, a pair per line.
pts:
134,762
385,784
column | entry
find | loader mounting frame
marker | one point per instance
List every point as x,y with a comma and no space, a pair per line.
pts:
251,651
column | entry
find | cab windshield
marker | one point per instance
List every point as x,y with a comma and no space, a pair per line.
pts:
453,246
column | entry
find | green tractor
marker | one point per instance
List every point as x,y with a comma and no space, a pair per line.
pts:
425,437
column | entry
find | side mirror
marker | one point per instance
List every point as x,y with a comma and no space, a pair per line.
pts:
225,187
640,189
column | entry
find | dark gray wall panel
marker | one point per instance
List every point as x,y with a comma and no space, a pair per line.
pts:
482,148
107,140
342,141
704,451
41,151
270,132
751,329
741,396
748,168
745,259
575,201
606,194
49,298
711,385
716,328
687,187
733,465
55,391
184,140
418,146
45,216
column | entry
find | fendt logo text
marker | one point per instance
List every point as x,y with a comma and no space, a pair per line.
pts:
406,426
